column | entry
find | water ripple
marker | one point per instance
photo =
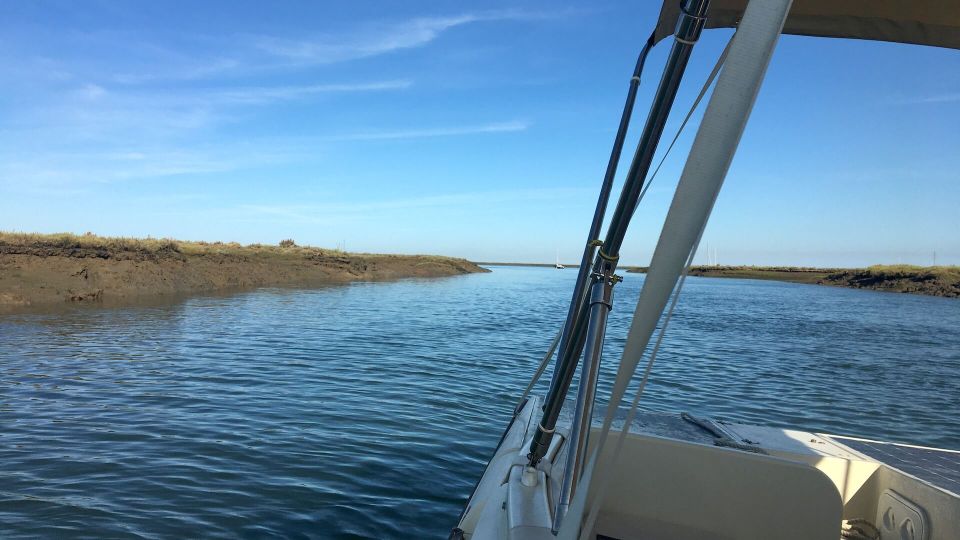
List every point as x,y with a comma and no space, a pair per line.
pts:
369,410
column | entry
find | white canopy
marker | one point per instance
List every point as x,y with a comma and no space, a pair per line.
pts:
922,22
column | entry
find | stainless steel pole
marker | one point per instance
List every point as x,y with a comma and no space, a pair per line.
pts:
689,26
601,302
590,247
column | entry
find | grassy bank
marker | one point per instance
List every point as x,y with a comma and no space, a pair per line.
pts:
929,280
38,269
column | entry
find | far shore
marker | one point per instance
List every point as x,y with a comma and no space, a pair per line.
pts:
927,280
901,278
39,269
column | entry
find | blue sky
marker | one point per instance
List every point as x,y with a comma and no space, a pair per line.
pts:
478,130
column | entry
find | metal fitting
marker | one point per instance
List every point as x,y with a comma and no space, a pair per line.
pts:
693,15
602,292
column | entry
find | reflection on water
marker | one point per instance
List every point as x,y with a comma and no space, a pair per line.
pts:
368,410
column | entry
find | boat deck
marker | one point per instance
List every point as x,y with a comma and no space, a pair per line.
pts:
940,468
935,466
670,425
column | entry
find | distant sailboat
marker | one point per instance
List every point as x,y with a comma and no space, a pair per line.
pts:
559,266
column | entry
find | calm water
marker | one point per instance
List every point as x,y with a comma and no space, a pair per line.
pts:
369,410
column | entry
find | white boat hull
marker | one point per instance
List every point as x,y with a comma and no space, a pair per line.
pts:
673,482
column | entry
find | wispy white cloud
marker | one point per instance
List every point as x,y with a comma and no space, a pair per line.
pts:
375,39
90,92
265,94
501,127
68,171
921,100
117,160
89,118
110,118
942,98
244,54
251,95
182,71
340,212
117,115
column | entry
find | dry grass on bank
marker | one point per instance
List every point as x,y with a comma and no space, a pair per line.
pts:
159,247
154,245
948,272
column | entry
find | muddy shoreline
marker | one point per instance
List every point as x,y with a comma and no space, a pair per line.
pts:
931,281
44,273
